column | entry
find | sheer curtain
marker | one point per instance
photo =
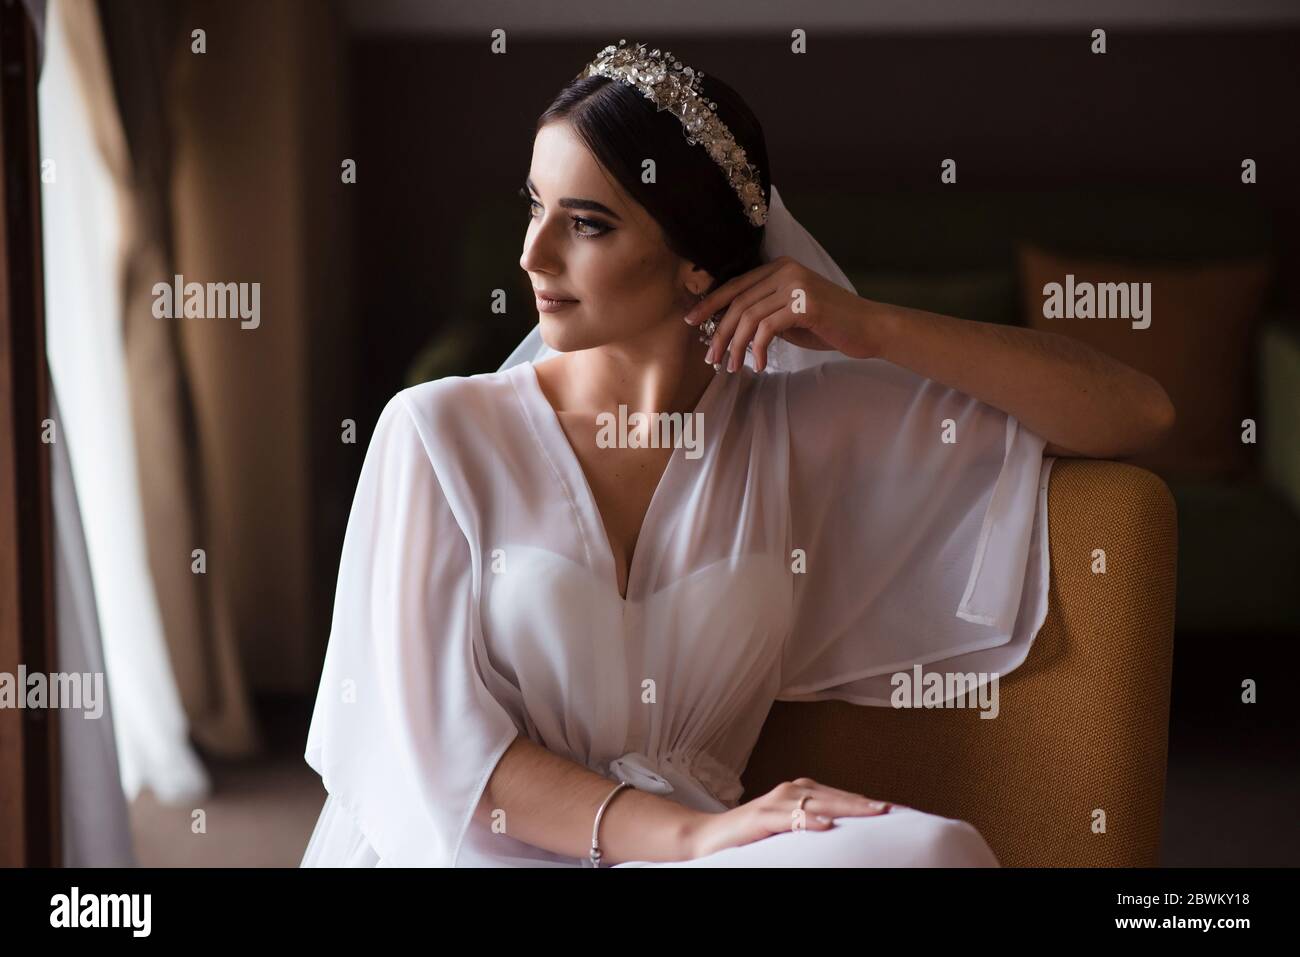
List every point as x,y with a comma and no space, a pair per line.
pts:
96,824
83,308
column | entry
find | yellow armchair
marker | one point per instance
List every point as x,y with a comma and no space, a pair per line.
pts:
1083,725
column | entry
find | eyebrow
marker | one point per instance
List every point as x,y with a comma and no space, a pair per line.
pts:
570,202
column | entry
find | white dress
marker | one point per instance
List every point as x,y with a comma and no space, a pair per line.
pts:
843,523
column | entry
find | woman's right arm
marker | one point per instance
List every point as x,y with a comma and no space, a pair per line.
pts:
551,802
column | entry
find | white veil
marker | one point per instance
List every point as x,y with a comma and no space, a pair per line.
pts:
782,236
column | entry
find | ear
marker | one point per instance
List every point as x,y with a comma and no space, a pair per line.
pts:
696,280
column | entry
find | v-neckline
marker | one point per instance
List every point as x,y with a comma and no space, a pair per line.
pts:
577,477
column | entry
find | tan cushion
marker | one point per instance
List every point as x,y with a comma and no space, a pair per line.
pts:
1198,346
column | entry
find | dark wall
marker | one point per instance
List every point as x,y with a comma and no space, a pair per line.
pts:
443,126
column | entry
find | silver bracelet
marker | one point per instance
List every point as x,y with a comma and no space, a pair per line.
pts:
595,828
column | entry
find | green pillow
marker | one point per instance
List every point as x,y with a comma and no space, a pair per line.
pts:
1279,386
448,352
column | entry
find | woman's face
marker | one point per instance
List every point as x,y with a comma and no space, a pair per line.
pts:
588,240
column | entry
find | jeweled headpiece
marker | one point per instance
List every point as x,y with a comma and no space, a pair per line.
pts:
677,89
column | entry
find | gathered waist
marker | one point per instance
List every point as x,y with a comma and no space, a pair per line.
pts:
694,778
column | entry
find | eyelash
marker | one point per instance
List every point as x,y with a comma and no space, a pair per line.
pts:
601,227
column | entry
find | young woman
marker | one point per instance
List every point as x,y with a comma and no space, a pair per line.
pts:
554,649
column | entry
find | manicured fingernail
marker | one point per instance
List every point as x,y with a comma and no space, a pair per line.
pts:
823,818
876,806
731,363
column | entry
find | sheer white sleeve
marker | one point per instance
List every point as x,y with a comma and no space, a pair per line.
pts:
921,515
405,734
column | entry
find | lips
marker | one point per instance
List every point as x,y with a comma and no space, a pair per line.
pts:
555,296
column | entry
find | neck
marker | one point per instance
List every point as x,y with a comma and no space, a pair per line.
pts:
671,379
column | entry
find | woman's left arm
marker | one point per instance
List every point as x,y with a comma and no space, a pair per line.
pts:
1083,402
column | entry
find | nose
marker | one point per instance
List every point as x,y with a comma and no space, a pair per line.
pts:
539,250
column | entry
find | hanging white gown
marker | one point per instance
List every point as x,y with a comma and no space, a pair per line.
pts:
839,524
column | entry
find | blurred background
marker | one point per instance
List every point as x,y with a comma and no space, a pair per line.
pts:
360,160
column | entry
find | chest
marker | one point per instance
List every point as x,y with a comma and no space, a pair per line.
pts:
623,483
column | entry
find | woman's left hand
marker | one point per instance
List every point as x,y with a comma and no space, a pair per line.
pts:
787,299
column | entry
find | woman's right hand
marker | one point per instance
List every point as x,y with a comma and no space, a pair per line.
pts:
776,812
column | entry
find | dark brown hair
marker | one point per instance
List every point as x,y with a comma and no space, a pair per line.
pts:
702,216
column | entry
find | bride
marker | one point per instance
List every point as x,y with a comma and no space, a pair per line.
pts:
552,651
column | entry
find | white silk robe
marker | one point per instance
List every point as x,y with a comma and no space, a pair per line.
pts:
842,524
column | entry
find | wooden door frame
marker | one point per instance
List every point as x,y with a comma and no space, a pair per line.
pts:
30,810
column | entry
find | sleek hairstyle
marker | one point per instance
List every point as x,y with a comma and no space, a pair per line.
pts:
702,217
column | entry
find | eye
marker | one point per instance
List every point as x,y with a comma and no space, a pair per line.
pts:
599,228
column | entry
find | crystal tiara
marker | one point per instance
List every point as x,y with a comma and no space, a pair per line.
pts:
676,88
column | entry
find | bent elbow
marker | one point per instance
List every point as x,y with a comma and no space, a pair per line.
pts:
1162,418
1166,415
1159,425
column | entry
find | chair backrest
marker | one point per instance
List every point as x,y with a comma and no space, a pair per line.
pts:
1081,737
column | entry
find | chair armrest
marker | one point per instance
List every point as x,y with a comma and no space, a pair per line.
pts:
1084,722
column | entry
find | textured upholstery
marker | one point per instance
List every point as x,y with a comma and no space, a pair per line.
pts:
1083,723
